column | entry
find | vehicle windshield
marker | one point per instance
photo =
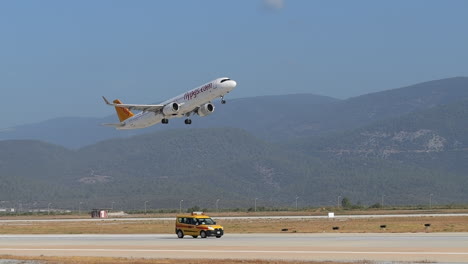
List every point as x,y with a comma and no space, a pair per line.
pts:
205,221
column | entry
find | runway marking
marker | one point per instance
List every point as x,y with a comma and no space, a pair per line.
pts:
237,251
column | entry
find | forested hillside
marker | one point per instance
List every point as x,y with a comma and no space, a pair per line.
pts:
200,166
436,138
405,144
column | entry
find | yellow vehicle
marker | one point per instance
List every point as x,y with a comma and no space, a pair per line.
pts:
197,224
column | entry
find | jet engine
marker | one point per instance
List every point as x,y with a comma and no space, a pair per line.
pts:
171,109
205,109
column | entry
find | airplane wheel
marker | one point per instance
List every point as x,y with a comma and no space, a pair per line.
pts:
223,101
165,121
188,121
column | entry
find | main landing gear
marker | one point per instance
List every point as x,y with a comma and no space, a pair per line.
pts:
222,100
188,121
165,121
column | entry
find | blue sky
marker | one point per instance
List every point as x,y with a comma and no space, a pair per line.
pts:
58,57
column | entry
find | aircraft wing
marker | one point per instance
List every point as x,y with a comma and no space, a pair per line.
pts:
146,108
138,107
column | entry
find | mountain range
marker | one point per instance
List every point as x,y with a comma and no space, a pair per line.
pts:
405,144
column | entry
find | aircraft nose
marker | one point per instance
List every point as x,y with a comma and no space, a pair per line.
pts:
231,84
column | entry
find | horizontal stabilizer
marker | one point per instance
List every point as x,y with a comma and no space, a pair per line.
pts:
118,125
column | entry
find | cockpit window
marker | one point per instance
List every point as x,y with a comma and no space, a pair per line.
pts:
223,80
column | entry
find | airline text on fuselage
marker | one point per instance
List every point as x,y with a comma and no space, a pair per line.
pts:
193,94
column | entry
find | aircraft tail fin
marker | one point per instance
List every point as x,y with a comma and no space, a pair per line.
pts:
123,112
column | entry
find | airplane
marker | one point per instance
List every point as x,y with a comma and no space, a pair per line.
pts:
196,101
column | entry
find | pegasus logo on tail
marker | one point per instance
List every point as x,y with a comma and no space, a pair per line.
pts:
123,112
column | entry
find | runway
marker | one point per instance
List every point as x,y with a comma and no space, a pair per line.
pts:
431,247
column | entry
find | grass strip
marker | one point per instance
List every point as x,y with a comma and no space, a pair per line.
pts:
110,260
274,225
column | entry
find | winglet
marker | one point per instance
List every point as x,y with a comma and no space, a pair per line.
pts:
105,100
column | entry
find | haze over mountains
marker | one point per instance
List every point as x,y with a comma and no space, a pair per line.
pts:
404,144
258,115
275,118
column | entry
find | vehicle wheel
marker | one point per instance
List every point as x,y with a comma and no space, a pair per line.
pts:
218,236
223,101
194,236
180,234
203,234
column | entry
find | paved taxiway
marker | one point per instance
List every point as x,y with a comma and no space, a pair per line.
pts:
437,247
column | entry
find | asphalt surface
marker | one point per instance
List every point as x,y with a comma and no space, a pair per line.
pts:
428,247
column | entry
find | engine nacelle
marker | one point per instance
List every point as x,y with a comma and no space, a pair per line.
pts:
205,109
171,109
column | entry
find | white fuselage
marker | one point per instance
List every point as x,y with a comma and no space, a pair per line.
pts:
189,102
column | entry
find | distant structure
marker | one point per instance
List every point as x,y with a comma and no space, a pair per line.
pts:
99,213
